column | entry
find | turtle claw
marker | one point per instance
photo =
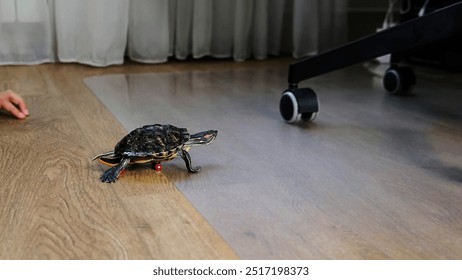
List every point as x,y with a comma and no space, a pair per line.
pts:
187,160
195,169
110,176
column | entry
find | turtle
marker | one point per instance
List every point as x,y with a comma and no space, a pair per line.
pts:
153,143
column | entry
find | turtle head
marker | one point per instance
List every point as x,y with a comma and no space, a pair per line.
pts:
202,138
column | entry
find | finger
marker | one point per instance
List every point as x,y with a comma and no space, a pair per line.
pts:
16,99
14,110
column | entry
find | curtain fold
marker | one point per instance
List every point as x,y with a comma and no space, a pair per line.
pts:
202,28
25,32
91,31
106,32
149,35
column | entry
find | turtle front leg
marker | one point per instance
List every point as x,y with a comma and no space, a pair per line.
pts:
187,159
111,175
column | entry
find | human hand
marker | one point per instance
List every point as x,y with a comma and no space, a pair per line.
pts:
14,104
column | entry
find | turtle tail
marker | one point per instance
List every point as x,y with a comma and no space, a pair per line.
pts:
108,154
108,158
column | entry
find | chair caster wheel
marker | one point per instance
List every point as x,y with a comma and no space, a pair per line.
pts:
399,80
299,104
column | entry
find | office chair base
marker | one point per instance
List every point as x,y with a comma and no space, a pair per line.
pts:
399,41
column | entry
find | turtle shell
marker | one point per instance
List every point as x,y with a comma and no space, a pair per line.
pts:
156,141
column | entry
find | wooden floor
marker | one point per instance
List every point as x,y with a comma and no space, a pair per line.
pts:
374,177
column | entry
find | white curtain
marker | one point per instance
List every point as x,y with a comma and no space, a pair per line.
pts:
25,32
91,32
318,26
106,32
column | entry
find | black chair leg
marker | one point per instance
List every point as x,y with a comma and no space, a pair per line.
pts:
397,40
